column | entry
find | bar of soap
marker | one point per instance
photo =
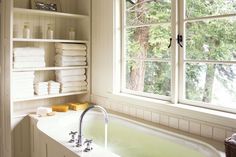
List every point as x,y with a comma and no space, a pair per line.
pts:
43,111
78,106
60,108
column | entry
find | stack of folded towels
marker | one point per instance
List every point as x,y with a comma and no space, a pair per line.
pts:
29,57
41,88
53,87
72,80
23,84
70,54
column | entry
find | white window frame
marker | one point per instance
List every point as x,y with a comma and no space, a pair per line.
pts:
178,21
182,60
173,59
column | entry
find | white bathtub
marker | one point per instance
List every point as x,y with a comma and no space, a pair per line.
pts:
126,138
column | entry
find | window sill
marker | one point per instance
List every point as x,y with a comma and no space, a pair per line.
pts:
192,112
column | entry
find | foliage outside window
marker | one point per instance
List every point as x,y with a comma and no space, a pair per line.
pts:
208,58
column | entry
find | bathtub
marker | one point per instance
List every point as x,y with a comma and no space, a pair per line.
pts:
126,138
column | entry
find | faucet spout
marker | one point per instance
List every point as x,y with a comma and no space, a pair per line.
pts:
80,140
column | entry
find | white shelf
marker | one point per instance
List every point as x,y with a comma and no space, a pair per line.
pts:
49,68
50,40
50,96
48,13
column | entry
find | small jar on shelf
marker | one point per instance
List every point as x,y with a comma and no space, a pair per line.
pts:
50,32
26,30
71,34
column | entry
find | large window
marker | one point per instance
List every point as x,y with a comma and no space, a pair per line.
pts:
206,55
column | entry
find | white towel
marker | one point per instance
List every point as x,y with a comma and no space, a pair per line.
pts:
29,59
73,84
70,46
41,93
73,89
53,83
28,51
62,73
69,58
71,78
59,63
71,52
28,64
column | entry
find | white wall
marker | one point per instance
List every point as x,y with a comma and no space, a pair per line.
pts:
102,46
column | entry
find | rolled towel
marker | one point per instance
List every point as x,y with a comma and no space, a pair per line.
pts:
28,51
59,63
62,73
28,64
29,59
71,84
71,52
71,78
70,58
70,46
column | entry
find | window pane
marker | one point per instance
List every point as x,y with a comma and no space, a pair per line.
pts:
199,8
211,83
149,77
146,12
211,40
148,42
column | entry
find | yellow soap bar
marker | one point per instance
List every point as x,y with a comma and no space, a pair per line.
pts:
60,108
78,106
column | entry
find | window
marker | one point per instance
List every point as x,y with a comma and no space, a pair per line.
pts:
206,57
146,57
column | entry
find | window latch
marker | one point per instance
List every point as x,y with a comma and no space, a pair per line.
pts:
170,43
180,40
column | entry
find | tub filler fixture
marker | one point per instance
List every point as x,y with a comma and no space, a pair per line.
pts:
80,141
126,138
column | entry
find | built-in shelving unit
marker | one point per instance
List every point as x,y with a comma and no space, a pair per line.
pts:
73,14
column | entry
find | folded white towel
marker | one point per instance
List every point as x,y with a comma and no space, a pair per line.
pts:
71,52
73,84
73,89
69,58
62,73
70,46
54,92
71,78
29,59
53,83
28,51
28,64
59,63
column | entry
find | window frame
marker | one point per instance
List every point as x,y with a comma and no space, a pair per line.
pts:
173,83
177,60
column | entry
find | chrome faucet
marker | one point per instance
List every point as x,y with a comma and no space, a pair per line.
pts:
80,136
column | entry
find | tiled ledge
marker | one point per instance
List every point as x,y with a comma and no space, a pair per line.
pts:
177,121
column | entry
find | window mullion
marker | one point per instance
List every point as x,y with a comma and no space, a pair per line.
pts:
181,50
174,50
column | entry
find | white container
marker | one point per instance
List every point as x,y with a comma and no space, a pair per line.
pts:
50,32
71,34
26,31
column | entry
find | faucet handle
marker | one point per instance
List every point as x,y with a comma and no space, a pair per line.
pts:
72,136
88,145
